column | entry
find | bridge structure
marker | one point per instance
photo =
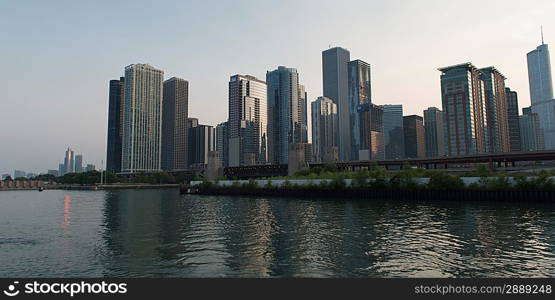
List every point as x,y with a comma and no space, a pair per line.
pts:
492,159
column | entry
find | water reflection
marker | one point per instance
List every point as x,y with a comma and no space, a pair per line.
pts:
67,212
160,233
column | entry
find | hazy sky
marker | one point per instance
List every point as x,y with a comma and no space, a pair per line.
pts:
58,56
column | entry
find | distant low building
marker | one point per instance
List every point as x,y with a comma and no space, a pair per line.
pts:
53,173
18,174
90,167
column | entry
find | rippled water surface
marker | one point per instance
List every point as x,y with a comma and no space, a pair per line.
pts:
159,233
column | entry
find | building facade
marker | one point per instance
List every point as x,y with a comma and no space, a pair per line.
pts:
247,121
513,120
202,140
415,143
531,132
496,110
393,133
359,94
434,134
462,95
336,87
175,112
325,129
283,112
372,146
303,117
222,143
115,124
142,119
78,163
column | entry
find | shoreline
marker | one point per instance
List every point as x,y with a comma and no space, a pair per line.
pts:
384,194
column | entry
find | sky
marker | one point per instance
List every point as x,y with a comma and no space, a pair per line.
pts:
58,56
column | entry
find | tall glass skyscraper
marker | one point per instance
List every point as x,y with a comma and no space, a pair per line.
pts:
541,91
115,125
175,112
336,87
359,94
283,112
393,133
142,119
248,121
539,74
69,161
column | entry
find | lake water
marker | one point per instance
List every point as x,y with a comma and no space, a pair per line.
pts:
159,233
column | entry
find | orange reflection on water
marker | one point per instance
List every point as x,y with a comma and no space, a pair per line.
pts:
67,211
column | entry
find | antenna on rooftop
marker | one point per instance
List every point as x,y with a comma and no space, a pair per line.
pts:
541,29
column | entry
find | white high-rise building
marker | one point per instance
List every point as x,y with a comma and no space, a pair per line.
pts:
142,119
541,91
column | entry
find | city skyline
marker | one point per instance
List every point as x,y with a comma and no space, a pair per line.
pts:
87,113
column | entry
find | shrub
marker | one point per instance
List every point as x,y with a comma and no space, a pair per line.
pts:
360,179
337,184
441,181
501,182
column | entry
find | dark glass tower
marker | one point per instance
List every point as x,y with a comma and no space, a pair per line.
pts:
175,113
115,125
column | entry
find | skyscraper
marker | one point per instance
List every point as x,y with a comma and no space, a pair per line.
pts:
531,132
115,124
359,94
202,139
539,74
69,161
336,87
496,110
541,91
415,144
433,128
372,146
222,142
303,118
513,120
248,121
78,163
283,113
175,112
61,169
462,94
393,133
324,130
142,121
